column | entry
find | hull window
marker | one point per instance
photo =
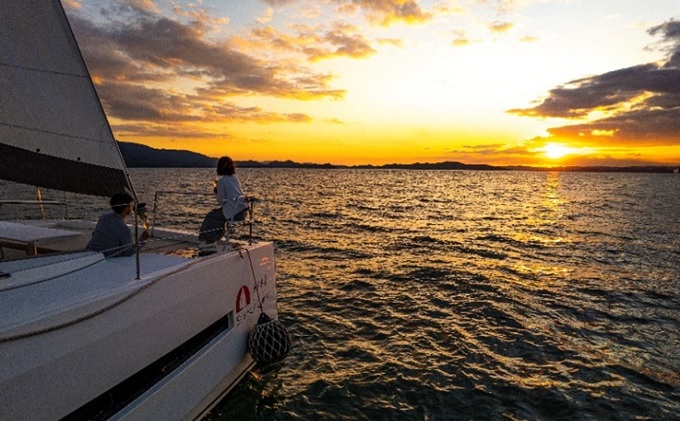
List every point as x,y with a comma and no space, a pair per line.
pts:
121,395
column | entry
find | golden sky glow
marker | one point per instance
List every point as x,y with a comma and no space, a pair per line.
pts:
503,82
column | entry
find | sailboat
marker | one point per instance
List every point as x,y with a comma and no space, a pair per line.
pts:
159,335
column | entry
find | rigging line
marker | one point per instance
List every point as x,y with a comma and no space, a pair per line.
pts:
32,69
50,264
54,277
178,237
16,126
255,284
166,246
40,281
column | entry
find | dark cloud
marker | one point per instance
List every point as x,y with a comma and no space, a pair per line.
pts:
579,97
496,150
299,118
344,40
150,67
138,103
641,103
168,131
634,128
670,31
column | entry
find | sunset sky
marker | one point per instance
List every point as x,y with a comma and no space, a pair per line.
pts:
528,82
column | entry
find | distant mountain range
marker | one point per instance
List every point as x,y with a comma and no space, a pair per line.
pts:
137,156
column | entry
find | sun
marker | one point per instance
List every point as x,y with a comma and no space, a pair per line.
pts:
556,150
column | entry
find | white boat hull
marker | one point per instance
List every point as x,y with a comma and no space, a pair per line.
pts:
81,346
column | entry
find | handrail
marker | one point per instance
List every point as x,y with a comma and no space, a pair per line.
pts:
32,202
249,221
159,192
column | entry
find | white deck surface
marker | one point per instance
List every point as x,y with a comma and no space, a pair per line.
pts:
69,286
31,234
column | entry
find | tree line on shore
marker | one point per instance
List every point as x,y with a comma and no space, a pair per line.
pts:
141,156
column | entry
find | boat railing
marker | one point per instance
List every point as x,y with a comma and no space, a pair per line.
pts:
157,196
230,225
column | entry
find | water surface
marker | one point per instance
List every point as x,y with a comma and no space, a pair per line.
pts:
457,295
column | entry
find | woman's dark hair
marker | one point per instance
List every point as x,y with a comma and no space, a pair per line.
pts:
119,201
225,166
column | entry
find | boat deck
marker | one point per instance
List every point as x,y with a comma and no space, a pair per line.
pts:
71,286
79,327
64,282
54,236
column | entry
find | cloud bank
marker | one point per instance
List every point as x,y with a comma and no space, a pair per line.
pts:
634,106
150,68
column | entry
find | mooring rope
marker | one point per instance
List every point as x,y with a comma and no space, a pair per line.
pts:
39,281
269,341
256,287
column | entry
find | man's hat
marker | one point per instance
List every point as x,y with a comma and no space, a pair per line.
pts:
119,200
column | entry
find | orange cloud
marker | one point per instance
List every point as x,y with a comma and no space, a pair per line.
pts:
500,27
391,41
149,67
382,12
316,43
529,38
342,40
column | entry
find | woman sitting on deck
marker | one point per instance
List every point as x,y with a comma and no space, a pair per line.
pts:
233,205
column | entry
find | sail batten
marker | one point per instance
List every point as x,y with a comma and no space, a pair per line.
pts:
46,132
33,69
50,113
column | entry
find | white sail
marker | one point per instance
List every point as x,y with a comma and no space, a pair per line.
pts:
53,131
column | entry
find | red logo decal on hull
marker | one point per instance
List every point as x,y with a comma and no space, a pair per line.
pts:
242,298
